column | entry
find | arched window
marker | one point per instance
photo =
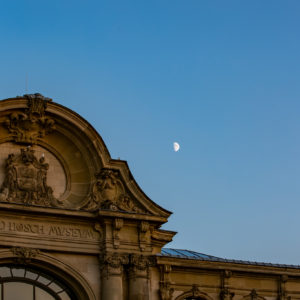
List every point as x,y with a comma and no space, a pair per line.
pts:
21,282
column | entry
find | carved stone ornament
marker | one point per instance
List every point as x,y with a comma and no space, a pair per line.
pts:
113,260
282,293
226,294
143,229
108,192
32,124
24,255
112,263
141,262
253,296
195,291
166,291
25,180
117,225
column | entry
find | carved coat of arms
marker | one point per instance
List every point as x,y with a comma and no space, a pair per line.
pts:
108,192
26,180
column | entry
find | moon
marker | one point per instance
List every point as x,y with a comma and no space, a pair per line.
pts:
176,146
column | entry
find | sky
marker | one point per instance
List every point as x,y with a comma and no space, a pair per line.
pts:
221,78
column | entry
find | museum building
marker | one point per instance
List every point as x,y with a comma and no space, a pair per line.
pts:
74,224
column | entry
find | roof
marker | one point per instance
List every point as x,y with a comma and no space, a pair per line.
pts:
188,254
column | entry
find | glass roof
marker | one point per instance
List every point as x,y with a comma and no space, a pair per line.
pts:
187,254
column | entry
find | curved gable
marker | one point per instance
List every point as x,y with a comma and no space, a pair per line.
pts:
52,157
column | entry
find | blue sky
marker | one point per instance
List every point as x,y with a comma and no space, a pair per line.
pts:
219,77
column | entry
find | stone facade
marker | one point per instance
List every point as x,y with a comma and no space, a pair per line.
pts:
70,210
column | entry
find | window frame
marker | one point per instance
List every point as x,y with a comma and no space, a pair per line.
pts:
34,282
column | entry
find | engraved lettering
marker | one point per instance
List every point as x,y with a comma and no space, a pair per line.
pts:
48,230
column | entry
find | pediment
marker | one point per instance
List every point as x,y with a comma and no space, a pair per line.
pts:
51,157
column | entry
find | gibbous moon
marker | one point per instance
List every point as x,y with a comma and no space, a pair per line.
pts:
176,146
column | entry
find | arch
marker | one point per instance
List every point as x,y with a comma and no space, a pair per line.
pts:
54,267
194,293
253,296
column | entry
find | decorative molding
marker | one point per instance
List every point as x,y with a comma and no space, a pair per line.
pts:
24,255
143,229
29,126
141,262
112,263
117,225
108,192
225,293
165,289
253,296
26,180
281,287
194,292
139,265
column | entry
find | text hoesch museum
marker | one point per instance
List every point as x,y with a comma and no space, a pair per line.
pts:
74,224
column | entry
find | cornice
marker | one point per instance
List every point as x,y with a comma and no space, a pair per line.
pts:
220,266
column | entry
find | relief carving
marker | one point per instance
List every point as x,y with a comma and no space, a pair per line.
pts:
165,288
31,125
141,262
26,180
281,288
165,291
24,255
139,265
196,291
143,229
253,296
112,263
108,192
225,293
117,225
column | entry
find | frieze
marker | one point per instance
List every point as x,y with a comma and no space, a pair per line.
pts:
25,180
108,192
48,230
32,124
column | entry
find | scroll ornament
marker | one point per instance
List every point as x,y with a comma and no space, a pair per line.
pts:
32,124
23,254
166,290
108,192
25,180
113,260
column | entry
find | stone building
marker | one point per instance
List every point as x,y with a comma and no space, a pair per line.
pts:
74,224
